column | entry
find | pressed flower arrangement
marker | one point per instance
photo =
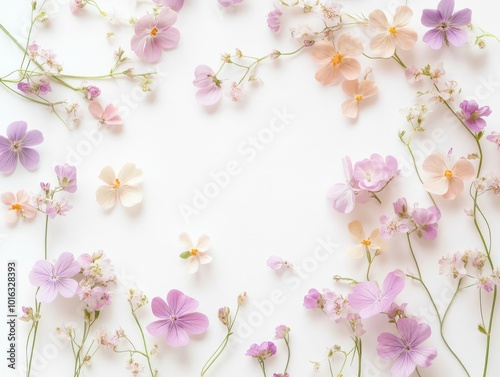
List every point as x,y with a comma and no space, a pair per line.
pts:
124,273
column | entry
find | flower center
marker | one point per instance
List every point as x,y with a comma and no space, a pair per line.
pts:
336,59
17,207
392,30
174,318
366,242
117,183
448,173
194,252
443,25
16,147
474,116
153,31
358,98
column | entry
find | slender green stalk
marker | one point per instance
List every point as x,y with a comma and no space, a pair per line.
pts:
359,347
288,356
146,354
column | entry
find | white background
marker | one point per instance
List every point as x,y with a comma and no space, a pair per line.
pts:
274,205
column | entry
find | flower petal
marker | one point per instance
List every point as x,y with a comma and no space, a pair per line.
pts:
185,241
96,110
108,175
17,130
342,197
322,52
457,37
203,243
40,274
423,356
8,162
431,18
455,188
349,45
29,158
177,336
204,258
194,323
33,137
67,287
434,38
356,230
383,45
437,185
389,346
463,169
327,74
445,7
8,198
413,332
130,175
5,145
66,266
403,366
209,95
402,17
106,197
350,68
166,18
393,285
158,328
47,292
160,308
129,196
405,38
180,303
378,20
169,38
435,164
461,18
193,264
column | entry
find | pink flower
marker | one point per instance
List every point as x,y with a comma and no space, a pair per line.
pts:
229,3
58,208
446,26
426,221
392,225
472,115
16,146
406,350
39,88
195,254
273,20
66,175
445,180
413,74
373,173
18,206
55,278
277,263
391,35
178,318
314,299
174,4
92,92
494,137
357,92
337,61
370,300
281,332
209,85
262,352
106,116
121,186
152,36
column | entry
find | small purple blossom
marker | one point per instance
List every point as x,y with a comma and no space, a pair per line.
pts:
24,87
472,115
426,221
391,225
16,146
273,20
314,299
277,263
494,137
209,86
262,352
281,332
92,92
66,175
173,4
446,26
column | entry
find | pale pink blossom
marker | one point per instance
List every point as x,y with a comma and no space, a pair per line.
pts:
18,205
209,92
108,116
356,91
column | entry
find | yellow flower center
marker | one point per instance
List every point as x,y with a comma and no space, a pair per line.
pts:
359,98
392,30
366,242
448,173
194,252
336,59
17,207
117,183
153,31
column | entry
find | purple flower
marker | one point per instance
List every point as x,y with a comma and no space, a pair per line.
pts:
16,145
178,318
373,173
392,225
173,4
54,279
426,221
229,3
471,113
370,300
92,92
58,208
314,299
281,331
446,25
277,263
494,137
406,350
273,19
262,352
24,87
209,85
66,175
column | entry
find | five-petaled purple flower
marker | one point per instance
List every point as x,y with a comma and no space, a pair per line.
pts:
472,115
16,146
262,352
406,350
446,25
178,318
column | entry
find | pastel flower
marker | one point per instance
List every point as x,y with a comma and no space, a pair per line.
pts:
392,225
18,206
195,254
406,349
472,115
277,263
363,244
229,3
173,4
316,300
337,61
357,92
446,26
153,35
263,351
54,279
445,180
273,20
92,92
17,146
209,85
121,186
494,137
391,35
177,318
66,175
370,300
108,116
281,332
374,172
57,208
39,88
426,221
413,74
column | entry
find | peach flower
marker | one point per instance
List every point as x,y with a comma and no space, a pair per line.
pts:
357,91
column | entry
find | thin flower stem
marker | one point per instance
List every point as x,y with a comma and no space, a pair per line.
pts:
143,340
481,308
359,346
434,305
330,367
262,366
109,75
33,329
288,350
418,373
46,235
488,335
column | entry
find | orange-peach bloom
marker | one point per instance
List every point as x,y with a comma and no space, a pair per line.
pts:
357,91
337,60
391,35
446,181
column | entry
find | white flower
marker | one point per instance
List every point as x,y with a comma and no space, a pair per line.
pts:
121,186
195,255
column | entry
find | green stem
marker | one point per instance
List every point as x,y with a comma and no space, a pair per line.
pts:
330,367
288,350
488,335
143,340
359,346
35,331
